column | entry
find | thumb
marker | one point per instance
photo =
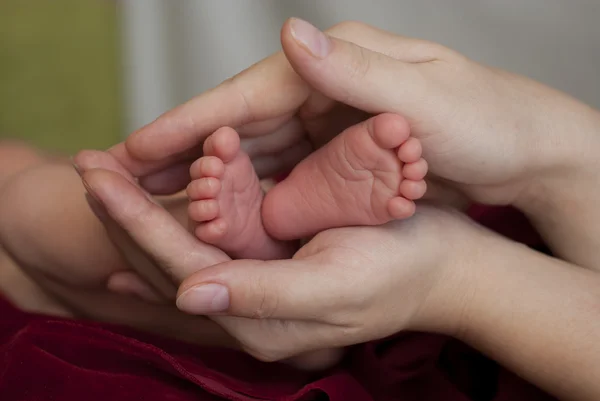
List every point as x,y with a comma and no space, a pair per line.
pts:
359,77
281,289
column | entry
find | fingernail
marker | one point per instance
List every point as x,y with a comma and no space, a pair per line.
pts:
97,208
204,300
310,38
95,205
76,167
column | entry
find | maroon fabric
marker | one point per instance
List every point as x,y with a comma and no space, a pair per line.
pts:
506,221
44,358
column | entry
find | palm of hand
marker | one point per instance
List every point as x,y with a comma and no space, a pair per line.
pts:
366,283
474,133
369,266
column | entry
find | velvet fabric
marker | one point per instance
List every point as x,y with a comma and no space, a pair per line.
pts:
45,358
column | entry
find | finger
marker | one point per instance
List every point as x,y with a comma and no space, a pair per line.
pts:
169,180
354,75
284,289
260,128
130,283
282,137
164,320
90,160
265,91
167,242
276,141
409,50
139,260
94,159
405,49
166,182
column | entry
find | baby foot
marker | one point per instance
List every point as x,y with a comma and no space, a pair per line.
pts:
368,175
226,199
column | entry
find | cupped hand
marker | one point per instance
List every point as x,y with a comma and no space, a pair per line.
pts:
344,287
484,132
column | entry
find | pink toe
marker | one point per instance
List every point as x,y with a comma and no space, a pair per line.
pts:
204,188
224,144
203,210
212,232
401,208
207,166
415,171
388,130
413,190
410,151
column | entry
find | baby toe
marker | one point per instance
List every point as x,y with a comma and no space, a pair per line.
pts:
410,151
203,210
204,188
415,171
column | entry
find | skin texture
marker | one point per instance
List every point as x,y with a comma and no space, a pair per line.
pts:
436,272
513,150
15,158
43,270
368,175
515,141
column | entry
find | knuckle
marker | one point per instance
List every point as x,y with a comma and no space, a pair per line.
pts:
267,302
244,103
421,51
346,26
355,307
432,49
139,213
360,64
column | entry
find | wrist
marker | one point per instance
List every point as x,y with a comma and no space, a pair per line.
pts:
562,200
536,316
567,163
455,278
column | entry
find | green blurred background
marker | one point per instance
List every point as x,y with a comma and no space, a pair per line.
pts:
59,73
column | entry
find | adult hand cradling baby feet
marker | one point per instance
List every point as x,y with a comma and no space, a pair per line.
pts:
496,137
487,136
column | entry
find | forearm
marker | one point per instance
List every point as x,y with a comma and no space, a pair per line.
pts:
562,202
538,316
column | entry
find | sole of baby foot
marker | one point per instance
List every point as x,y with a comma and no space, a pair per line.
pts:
368,175
226,198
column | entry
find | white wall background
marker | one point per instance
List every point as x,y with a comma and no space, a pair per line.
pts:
178,48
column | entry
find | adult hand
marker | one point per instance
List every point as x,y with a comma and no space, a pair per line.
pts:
344,287
436,272
484,132
55,240
488,136
147,279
